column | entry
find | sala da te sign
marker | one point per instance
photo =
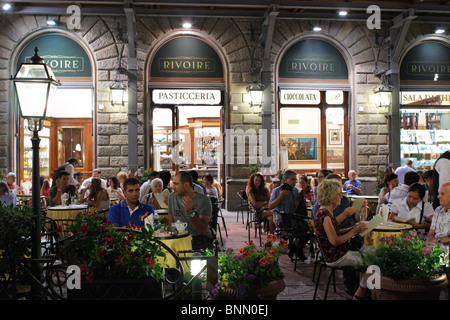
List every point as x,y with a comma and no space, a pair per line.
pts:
208,97
425,97
310,97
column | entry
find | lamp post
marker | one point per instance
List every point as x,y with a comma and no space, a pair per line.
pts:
35,86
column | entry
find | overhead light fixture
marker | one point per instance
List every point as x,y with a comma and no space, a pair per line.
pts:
51,22
439,31
317,29
187,25
6,6
343,13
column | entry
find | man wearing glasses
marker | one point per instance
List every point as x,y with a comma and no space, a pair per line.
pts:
287,198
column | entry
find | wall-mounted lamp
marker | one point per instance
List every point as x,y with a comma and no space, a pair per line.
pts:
383,97
255,92
117,93
118,88
383,92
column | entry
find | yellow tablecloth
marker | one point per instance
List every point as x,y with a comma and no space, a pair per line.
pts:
65,213
178,243
385,231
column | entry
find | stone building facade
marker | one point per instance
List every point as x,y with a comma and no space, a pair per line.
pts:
238,44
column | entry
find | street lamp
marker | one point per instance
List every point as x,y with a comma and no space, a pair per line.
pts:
35,86
383,97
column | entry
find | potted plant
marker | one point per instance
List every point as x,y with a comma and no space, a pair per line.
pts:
116,264
16,224
250,273
411,266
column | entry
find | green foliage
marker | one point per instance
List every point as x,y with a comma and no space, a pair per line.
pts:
105,252
410,256
249,268
145,176
16,225
253,169
381,174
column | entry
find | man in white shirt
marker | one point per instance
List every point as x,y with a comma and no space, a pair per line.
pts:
401,191
440,226
401,171
411,207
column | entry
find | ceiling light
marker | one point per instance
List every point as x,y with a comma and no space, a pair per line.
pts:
51,22
439,31
342,13
317,29
187,25
6,6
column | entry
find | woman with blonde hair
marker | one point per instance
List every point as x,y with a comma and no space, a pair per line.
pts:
334,240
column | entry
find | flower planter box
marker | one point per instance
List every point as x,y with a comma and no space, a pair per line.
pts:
118,289
410,289
268,292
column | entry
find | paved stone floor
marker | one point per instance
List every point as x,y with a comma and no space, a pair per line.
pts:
299,284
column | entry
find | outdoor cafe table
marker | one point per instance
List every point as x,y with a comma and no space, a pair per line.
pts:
180,242
163,213
27,201
69,213
385,230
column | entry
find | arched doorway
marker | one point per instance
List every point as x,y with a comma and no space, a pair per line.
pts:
313,108
185,118
425,103
68,131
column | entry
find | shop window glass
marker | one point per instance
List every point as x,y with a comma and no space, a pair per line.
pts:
335,138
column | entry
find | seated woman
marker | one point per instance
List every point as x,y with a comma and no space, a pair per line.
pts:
114,188
259,196
7,197
156,187
390,182
304,185
335,241
96,196
413,207
211,191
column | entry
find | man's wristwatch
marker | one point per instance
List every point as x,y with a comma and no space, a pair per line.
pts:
192,214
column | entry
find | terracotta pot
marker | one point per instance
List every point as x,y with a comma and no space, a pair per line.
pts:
410,289
268,292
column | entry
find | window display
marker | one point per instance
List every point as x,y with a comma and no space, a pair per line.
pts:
425,129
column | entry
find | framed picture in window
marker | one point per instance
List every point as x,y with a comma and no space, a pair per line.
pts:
334,137
301,148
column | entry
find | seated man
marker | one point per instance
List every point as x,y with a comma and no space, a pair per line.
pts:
13,187
401,191
352,186
130,211
61,186
191,207
289,199
440,225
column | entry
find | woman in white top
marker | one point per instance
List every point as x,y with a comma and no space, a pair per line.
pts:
413,207
208,181
114,189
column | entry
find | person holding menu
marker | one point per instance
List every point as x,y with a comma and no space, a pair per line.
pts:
334,240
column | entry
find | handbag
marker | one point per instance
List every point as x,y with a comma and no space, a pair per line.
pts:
356,242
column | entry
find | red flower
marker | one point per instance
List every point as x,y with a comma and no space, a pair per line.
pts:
119,261
84,269
263,262
150,261
101,253
84,228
